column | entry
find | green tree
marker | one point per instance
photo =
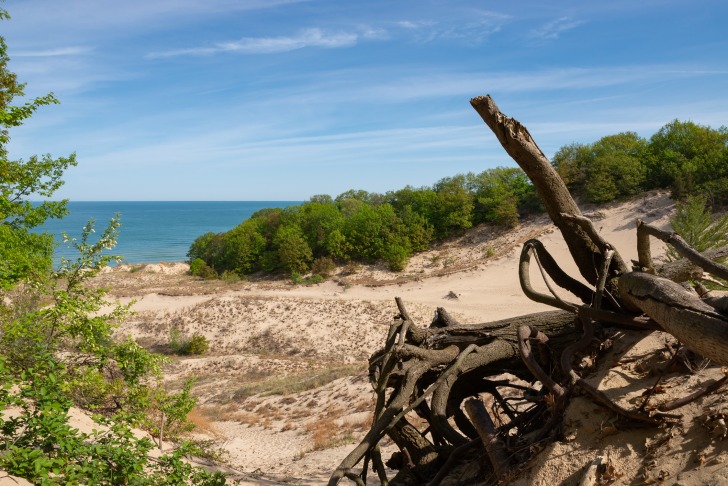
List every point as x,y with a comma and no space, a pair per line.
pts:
294,254
500,194
695,222
23,252
610,168
690,158
57,343
317,221
453,212
242,249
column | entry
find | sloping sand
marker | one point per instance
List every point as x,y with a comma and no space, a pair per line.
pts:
283,388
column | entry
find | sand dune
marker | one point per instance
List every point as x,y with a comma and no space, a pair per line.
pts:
284,389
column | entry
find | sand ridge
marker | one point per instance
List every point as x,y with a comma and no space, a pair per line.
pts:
284,391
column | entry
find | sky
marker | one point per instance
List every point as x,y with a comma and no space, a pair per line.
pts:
286,99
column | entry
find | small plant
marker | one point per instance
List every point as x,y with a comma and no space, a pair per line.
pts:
230,277
449,261
296,278
489,252
199,268
695,222
197,345
183,345
315,279
323,266
396,257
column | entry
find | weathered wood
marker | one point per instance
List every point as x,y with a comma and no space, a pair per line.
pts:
518,143
488,435
683,270
681,313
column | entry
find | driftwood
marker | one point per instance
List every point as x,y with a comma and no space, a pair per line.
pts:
439,394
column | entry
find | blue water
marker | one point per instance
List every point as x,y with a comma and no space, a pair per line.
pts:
159,231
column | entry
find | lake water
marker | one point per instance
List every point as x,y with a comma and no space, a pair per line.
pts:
160,231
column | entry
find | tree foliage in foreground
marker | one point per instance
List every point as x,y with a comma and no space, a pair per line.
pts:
57,342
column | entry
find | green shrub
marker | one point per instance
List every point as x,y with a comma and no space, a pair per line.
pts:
323,266
197,267
197,345
183,345
230,277
294,253
396,257
695,222
315,279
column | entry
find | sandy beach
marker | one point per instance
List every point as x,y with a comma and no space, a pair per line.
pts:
283,389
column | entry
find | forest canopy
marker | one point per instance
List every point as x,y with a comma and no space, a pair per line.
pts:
684,157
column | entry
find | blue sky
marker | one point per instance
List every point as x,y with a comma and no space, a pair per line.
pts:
284,99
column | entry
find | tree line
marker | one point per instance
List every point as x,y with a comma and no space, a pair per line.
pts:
684,157
364,226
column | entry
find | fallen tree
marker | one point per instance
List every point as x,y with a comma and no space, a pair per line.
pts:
442,372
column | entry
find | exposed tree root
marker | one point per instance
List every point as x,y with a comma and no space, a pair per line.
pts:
439,393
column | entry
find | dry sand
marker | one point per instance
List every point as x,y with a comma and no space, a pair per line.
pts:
283,388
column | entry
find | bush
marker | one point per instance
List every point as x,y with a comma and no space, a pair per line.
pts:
294,253
230,277
199,268
396,257
694,221
197,345
181,344
315,279
323,266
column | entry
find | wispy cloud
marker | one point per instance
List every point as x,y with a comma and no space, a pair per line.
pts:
553,29
414,24
60,51
475,27
267,45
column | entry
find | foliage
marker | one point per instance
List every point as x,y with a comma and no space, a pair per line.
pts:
57,343
611,168
690,159
501,194
323,266
453,212
180,344
199,268
293,251
368,227
695,222
23,252
396,257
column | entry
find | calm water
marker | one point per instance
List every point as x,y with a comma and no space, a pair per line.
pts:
156,231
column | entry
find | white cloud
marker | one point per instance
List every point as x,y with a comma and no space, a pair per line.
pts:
553,29
413,24
60,51
267,45
472,26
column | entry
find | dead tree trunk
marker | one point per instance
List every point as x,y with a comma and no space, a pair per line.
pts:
519,144
432,372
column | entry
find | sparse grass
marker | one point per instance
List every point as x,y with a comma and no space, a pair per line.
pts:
296,383
326,433
202,422
449,261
